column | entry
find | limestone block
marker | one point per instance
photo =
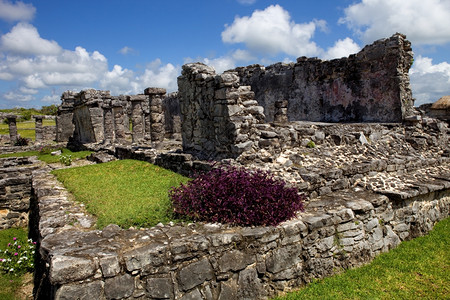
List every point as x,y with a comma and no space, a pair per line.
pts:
283,258
234,260
249,285
110,266
84,291
65,269
195,274
160,288
149,255
119,287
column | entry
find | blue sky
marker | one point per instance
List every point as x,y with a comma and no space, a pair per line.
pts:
49,46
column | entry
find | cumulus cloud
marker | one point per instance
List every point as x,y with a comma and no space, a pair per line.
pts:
18,11
24,39
342,48
429,81
156,74
271,31
423,21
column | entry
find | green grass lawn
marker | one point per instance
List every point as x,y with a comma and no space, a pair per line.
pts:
48,158
10,284
125,192
417,269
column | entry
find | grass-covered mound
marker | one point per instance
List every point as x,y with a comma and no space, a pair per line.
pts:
125,192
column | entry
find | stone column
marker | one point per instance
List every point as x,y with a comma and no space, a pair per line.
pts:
156,114
281,111
39,129
12,128
137,118
108,123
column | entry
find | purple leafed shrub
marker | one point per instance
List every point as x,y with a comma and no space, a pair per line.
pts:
237,196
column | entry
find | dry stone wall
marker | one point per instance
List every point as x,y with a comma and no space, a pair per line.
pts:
15,190
213,261
370,86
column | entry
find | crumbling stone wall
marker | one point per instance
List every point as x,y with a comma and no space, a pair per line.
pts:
219,116
15,190
370,86
93,116
43,133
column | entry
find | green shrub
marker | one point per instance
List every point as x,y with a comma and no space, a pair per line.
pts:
311,144
65,159
21,141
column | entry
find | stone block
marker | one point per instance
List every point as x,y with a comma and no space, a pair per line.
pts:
84,291
150,255
119,287
234,260
110,266
65,269
195,274
160,288
283,258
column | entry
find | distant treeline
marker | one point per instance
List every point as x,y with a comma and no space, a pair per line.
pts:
25,114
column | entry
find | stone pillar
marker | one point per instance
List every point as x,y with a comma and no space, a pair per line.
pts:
12,128
108,123
156,114
137,118
39,129
119,124
281,111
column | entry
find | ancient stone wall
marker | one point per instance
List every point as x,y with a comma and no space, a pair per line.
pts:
370,86
93,116
213,261
15,190
219,117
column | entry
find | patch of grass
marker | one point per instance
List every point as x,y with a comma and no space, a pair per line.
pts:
417,269
48,158
9,283
125,192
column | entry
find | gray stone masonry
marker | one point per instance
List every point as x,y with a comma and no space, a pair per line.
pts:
12,128
370,86
15,190
43,133
214,261
93,116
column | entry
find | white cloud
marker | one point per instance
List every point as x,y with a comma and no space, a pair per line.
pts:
126,50
25,39
52,99
156,74
246,2
17,97
271,31
342,48
423,21
16,12
429,81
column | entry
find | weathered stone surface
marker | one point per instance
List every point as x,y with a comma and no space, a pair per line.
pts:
284,258
85,291
119,287
160,288
64,269
195,274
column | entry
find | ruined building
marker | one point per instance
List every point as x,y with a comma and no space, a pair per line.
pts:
226,114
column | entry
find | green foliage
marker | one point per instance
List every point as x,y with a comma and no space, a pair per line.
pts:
311,144
417,269
126,192
65,159
50,110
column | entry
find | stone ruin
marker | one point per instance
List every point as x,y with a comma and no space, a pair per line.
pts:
93,116
370,185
